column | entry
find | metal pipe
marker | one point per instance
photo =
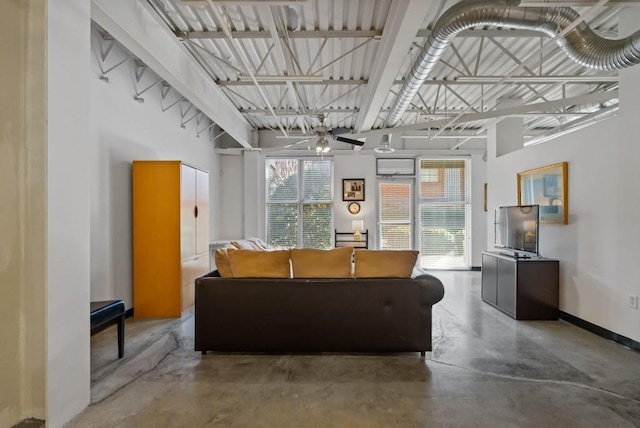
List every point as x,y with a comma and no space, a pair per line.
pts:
581,43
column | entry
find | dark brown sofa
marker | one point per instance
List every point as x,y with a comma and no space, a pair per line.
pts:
315,315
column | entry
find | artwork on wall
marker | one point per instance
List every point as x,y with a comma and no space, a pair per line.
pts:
547,187
353,189
485,197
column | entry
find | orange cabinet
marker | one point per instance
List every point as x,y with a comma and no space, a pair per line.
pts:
170,236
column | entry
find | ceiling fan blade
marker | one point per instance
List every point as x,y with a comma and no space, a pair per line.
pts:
296,143
274,149
339,131
350,141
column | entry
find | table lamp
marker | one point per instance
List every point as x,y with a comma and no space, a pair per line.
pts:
357,226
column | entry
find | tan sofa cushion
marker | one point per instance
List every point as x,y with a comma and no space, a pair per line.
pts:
311,263
259,264
221,258
384,263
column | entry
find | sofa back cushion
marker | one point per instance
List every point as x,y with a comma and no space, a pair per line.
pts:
222,262
384,263
259,264
311,263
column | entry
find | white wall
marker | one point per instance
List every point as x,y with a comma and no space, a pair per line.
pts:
598,250
235,220
123,130
68,203
356,166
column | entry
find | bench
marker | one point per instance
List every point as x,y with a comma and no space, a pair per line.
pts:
105,312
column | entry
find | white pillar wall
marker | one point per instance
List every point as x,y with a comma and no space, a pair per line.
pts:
509,130
254,221
68,209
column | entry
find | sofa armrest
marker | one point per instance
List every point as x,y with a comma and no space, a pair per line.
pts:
431,288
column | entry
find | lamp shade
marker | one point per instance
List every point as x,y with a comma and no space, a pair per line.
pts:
357,225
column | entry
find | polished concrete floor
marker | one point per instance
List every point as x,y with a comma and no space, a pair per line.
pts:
486,370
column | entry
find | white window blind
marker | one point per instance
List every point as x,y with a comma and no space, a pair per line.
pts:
300,203
395,211
444,213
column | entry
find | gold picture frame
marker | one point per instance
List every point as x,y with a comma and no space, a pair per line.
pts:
546,187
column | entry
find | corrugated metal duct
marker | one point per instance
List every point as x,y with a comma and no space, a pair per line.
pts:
581,44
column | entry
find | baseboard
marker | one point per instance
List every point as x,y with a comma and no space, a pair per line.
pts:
476,268
600,331
128,313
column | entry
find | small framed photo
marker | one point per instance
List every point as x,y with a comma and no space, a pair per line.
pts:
353,189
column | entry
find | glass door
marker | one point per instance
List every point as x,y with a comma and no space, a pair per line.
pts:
395,210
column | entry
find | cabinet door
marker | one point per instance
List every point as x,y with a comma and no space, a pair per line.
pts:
507,286
202,219
489,279
187,212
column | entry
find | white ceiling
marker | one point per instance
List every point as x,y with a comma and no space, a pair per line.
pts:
281,63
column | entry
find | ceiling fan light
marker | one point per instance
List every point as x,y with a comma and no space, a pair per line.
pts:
384,150
326,149
385,145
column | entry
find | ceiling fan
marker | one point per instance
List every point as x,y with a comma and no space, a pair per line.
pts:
324,135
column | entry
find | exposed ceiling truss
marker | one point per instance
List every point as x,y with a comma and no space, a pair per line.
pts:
282,64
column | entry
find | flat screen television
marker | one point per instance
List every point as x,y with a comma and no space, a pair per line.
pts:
517,229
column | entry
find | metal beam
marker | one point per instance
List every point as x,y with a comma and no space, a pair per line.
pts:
458,81
525,80
404,20
472,117
345,34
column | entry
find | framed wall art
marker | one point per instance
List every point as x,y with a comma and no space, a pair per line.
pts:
353,189
547,187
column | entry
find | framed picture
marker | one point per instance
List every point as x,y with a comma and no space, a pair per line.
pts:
547,187
353,189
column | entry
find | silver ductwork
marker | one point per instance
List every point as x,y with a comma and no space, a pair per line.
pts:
581,44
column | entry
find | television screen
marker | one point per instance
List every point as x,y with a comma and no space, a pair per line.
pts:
517,228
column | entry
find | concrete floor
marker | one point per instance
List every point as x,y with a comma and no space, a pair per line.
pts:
486,370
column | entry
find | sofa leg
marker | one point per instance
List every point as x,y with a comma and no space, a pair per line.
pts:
423,353
204,352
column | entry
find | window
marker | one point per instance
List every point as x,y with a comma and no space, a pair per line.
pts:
300,203
444,213
429,175
395,211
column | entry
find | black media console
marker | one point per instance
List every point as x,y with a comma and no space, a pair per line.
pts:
523,288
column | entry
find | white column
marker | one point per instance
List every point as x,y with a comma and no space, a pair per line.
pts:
68,209
254,208
509,136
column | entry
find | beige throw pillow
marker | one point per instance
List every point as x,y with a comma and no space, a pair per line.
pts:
311,263
384,263
259,264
